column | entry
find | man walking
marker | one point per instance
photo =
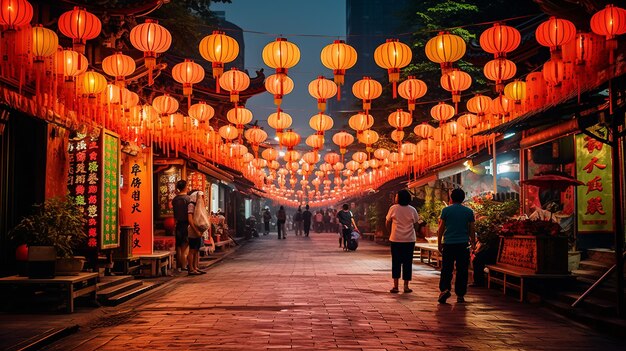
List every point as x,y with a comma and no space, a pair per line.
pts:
180,205
297,221
455,237
267,217
306,220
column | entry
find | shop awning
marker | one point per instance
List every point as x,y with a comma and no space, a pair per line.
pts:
203,166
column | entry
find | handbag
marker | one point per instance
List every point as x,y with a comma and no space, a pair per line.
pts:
201,216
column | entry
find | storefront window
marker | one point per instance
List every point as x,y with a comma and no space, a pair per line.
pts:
248,208
167,189
478,179
215,194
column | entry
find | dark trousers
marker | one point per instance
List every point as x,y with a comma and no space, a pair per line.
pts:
402,260
481,259
267,227
459,254
307,227
280,227
347,234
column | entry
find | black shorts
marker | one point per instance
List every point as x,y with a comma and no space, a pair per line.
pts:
182,235
194,243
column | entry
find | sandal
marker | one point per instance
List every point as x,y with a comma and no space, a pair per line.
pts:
194,273
394,290
407,290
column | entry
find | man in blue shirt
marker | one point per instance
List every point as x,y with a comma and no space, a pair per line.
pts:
456,237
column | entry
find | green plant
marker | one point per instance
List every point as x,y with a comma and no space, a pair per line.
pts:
490,215
56,222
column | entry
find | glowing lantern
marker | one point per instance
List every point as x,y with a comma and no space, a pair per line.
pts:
411,90
218,48
585,45
322,89
445,49
279,84
292,156
165,104
397,136
479,104
15,13
456,81
152,39
609,22
381,154
129,99
451,129
360,122
80,26
188,73
516,91
554,33
501,105
339,57
255,136
399,119
500,70
279,121
368,137
332,158
500,40
44,44
554,72
311,158
113,94
281,55
321,123
315,141
239,116
393,55
442,112
119,66
269,154
228,133
235,81
290,139
201,111
367,89
343,139
468,121
410,148
424,130
93,83
71,64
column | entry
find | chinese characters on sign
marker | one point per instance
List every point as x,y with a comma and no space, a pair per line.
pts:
167,189
137,200
110,194
594,168
84,183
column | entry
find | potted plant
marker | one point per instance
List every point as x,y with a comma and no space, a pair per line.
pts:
52,232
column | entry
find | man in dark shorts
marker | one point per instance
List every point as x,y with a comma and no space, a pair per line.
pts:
180,205
306,220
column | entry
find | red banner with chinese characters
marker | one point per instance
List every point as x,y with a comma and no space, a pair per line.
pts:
84,182
594,167
136,196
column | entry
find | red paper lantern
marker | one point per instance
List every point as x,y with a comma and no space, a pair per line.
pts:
412,89
554,33
442,112
322,89
360,122
339,57
81,26
456,81
479,104
188,73
392,56
278,84
15,13
500,70
235,81
554,72
500,40
119,66
152,39
610,22
367,89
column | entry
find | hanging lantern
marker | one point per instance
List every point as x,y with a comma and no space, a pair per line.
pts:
239,116
339,57
321,123
71,64
393,55
368,137
315,141
279,121
119,66
292,156
228,133
554,33
15,13
456,81
500,40
554,72
129,99
397,136
500,70
165,104
381,154
609,22
367,89
218,48
93,83
113,94
290,139
311,158
410,148
152,39
332,158
412,89
234,81
343,140
400,119
201,111
44,43
479,104
322,89
424,130
360,122
516,91
255,136
269,154
281,55
445,49
80,26
278,84
468,121
501,106
584,47
188,73
442,112
451,129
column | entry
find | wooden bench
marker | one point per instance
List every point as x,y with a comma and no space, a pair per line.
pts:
159,261
501,274
126,265
429,252
67,287
369,236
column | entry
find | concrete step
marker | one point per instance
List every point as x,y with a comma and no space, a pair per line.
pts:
127,295
606,256
109,281
614,326
594,265
116,289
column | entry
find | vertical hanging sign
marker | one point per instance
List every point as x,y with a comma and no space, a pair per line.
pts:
594,167
136,197
110,190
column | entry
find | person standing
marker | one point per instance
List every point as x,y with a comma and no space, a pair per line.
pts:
180,205
306,220
455,238
195,233
327,221
281,218
267,217
346,221
319,221
297,220
403,219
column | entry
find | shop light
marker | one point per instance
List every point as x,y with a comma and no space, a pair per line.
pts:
508,135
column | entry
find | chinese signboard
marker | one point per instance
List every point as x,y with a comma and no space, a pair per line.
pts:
137,200
84,182
110,194
594,168
167,189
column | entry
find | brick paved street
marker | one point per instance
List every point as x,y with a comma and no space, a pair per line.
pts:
307,294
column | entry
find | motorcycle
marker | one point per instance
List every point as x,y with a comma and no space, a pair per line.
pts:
250,229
